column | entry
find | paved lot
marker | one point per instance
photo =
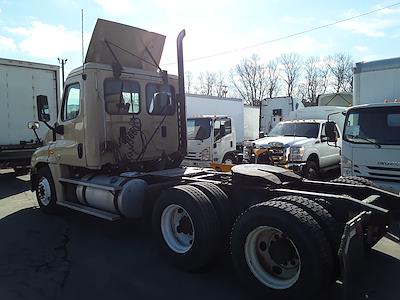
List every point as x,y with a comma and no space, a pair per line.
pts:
73,256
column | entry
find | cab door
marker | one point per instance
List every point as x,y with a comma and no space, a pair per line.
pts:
224,139
330,155
68,148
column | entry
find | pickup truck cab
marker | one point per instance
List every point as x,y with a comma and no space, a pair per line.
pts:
300,145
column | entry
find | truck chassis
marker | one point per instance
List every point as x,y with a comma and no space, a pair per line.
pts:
285,234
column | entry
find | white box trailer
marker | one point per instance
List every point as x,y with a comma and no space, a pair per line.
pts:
320,113
251,122
376,81
274,110
20,83
200,105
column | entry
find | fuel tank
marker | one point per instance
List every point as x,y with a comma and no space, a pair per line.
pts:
125,197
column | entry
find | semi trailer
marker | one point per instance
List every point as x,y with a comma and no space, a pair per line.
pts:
115,153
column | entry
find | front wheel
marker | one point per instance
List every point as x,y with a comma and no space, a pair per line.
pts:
311,170
281,252
229,159
45,191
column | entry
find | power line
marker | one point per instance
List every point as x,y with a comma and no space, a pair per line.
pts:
287,36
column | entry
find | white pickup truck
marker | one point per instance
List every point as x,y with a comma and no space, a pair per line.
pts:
300,145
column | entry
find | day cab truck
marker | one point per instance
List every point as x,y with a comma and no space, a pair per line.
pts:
215,130
115,153
371,138
300,143
20,83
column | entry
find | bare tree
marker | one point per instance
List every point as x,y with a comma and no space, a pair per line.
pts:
206,83
188,81
249,79
221,86
272,77
340,66
291,63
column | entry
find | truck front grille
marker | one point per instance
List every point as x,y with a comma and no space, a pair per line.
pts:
193,155
378,173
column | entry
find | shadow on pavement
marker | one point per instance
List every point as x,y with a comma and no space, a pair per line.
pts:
74,256
12,185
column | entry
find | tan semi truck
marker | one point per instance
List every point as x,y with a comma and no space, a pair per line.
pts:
115,153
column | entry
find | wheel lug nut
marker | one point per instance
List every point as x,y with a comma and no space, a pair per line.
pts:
180,210
292,262
276,236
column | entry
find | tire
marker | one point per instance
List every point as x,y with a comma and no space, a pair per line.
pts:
198,246
46,192
346,180
229,158
311,170
222,206
311,259
362,181
323,217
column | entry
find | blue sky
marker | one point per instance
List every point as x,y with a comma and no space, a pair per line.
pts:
41,31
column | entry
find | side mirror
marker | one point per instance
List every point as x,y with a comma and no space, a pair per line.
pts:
330,131
33,125
42,108
261,134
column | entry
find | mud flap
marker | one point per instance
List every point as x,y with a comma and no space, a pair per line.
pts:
351,253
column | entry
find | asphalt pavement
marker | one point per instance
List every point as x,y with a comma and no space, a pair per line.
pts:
74,256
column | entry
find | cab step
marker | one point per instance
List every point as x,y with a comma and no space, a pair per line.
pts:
90,211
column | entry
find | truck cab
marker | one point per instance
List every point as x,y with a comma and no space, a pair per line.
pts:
371,144
119,112
210,139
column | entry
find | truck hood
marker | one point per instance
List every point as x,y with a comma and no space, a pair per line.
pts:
282,141
133,47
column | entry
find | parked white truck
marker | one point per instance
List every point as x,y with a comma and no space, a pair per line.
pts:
216,129
300,143
20,83
371,138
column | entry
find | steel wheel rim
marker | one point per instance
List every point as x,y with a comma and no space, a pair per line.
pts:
177,228
44,191
261,263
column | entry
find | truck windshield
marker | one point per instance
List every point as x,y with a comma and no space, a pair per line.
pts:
198,129
376,125
309,130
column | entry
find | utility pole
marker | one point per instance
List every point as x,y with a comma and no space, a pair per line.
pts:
62,61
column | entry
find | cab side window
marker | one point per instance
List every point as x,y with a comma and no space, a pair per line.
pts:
323,132
221,128
71,105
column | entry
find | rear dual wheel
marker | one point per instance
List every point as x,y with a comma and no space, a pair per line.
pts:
187,227
281,252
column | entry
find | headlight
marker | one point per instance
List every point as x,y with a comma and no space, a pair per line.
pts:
296,153
205,154
297,150
346,166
